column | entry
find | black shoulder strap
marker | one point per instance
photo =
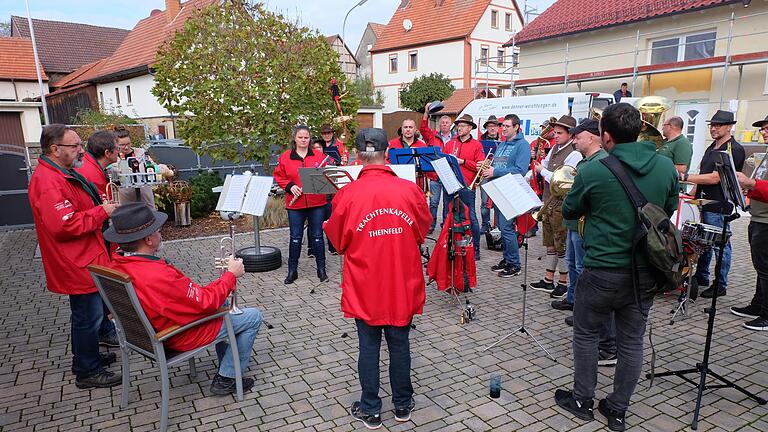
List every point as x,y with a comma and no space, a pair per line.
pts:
617,168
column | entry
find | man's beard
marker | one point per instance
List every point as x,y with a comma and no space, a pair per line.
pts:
77,163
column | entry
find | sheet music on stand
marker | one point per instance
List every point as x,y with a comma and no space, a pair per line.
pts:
447,177
405,172
512,195
729,182
244,194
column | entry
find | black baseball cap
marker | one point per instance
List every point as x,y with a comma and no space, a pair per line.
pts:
588,125
371,139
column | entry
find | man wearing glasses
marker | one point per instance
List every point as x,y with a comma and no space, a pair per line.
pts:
708,187
69,216
676,146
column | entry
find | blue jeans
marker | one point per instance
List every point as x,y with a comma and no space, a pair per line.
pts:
436,190
485,212
86,320
600,293
574,256
296,218
509,238
399,349
325,218
246,325
467,197
702,267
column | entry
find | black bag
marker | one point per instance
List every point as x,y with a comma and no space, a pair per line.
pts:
655,233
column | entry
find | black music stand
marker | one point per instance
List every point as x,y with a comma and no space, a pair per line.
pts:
733,197
422,157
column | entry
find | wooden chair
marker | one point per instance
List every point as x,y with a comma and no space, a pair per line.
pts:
135,333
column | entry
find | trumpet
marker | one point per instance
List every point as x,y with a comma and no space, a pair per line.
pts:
112,193
484,166
227,248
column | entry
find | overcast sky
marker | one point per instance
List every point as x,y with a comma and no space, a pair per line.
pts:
324,15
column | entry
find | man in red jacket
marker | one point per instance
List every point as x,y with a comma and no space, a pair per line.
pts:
102,152
377,223
435,138
68,218
169,298
469,153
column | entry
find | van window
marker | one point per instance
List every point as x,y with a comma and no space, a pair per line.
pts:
601,103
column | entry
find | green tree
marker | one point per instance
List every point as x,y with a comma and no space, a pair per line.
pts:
5,28
240,74
362,89
425,89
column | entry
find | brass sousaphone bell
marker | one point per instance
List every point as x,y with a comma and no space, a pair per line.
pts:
559,186
652,108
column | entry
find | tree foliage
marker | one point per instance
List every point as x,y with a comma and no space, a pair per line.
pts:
362,89
425,89
5,28
240,74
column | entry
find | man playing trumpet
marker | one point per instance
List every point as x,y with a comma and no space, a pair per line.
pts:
168,297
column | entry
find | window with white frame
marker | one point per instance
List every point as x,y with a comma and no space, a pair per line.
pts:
413,60
393,63
682,48
508,21
484,55
128,97
500,57
117,96
494,19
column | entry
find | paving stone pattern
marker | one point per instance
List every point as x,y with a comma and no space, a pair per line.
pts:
305,369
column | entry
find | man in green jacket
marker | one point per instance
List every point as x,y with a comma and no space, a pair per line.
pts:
676,146
605,285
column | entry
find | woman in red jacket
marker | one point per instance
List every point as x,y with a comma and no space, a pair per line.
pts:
301,207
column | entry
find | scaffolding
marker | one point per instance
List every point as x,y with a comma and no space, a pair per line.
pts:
498,71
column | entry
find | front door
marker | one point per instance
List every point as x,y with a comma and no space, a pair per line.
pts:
694,115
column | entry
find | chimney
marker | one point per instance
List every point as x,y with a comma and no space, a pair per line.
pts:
172,8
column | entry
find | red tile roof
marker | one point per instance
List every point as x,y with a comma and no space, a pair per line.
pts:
560,18
18,60
460,99
64,46
452,19
142,43
81,75
378,29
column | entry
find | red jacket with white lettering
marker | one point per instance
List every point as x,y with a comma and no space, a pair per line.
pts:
95,174
377,223
760,192
170,298
287,174
68,226
471,151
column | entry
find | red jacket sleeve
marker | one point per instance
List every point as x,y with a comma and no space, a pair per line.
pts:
760,192
281,174
63,220
187,301
474,157
422,215
427,133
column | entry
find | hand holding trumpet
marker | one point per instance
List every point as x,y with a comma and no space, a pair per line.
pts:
235,266
746,182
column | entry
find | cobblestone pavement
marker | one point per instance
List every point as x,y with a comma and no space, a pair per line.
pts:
305,369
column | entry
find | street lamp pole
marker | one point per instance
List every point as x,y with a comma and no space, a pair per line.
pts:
344,25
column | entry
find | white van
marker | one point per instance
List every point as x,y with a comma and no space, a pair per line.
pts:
533,110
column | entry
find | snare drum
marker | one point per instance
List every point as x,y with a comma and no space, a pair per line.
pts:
709,234
689,230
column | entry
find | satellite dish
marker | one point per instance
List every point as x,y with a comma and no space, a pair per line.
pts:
407,24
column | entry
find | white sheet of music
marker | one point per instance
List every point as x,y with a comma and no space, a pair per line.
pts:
447,177
406,172
512,195
231,198
257,195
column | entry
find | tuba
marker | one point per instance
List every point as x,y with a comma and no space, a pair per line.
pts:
559,186
651,108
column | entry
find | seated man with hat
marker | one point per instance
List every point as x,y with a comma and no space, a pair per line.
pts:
708,181
170,298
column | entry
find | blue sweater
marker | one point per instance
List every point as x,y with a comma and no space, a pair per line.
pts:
512,157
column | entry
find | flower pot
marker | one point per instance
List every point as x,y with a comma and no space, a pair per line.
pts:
181,213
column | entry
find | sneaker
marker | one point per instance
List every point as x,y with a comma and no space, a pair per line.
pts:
759,324
581,409
750,311
615,418
310,254
569,321
543,285
222,386
563,305
371,421
559,291
107,358
109,341
404,414
510,271
605,358
101,379
333,252
500,267
709,292
322,275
